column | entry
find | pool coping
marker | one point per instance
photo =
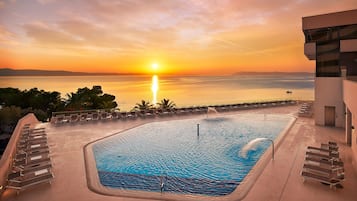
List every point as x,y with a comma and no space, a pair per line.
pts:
93,181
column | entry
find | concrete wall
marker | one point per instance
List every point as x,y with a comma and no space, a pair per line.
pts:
310,50
7,157
354,141
348,45
328,92
330,20
350,97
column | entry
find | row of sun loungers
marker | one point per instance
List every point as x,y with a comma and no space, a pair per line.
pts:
79,116
324,165
31,163
305,110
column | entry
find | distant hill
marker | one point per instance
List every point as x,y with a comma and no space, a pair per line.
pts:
273,73
30,72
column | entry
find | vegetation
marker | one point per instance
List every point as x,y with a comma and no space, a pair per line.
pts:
143,106
33,100
166,104
14,104
86,99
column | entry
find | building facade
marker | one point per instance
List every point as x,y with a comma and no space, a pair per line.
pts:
331,40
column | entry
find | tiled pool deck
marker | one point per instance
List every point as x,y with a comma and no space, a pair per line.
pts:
280,179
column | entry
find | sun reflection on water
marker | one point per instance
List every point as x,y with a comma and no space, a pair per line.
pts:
154,88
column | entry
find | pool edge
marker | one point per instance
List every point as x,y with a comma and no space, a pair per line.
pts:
246,185
93,181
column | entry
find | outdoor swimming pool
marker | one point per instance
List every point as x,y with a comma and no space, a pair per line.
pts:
173,153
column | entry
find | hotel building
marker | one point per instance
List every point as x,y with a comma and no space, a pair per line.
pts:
331,40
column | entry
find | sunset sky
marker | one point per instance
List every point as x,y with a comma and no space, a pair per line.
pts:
181,36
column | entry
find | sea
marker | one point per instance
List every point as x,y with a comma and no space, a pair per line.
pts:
184,91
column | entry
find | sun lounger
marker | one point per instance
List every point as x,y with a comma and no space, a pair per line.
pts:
332,161
30,133
321,178
329,149
30,179
324,169
32,160
33,135
23,143
83,117
37,129
33,130
329,146
324,154
95,116
23,154
332,143
32,167
14,175
74,118
132,115
33,152
28,147
32,157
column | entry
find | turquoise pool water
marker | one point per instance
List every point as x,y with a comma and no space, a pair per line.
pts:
173,153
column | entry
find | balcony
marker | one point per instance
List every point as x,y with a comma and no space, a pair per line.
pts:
310,50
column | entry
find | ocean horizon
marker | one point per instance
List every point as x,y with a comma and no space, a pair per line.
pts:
183,90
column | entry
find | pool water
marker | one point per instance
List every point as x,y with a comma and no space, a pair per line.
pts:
173,153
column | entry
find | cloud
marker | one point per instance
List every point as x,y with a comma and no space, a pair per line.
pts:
7,38
44,34
2,4
141,25
92,34
183,29
45,1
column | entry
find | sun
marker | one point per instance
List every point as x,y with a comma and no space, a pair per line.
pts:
155,66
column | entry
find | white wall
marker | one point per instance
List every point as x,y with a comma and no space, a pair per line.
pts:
328,92
354,141
350,97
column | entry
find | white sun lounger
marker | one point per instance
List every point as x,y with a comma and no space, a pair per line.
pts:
32,160
322,178
31,179
32,167
327,161
324,168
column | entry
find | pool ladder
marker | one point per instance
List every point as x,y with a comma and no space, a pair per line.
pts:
162,184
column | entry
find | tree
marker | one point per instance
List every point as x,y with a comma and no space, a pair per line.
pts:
107,102
143,106
86,99
32,99
10,96
166,104
10,115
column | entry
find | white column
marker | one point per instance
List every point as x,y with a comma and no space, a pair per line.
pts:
348,127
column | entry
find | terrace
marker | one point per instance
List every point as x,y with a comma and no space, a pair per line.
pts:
281,175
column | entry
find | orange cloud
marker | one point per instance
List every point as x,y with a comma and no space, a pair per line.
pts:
191,36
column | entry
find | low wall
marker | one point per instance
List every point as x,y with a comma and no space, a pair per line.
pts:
7,157
350,97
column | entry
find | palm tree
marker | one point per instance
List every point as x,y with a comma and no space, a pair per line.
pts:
166,104
143,106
